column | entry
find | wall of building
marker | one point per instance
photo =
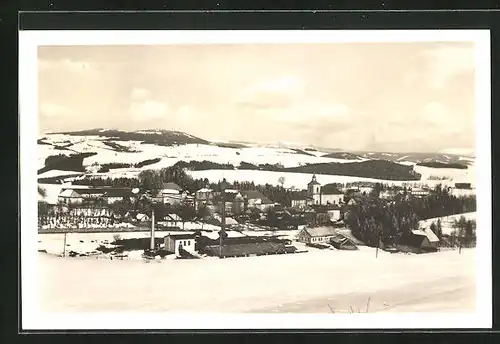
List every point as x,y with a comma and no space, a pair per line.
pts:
332,199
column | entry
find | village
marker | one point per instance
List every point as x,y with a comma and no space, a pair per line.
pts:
229,222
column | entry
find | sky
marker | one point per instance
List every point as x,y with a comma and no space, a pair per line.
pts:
414,97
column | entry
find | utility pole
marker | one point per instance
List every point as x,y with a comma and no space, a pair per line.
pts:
223,221
64,249
152,246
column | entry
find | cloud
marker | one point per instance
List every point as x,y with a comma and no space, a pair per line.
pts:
435,113
448,61
148,110
75,66
271,92
139,93
51,110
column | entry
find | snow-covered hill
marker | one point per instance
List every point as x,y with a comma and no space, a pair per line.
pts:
121,150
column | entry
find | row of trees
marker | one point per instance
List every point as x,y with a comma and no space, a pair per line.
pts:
464,233
373,220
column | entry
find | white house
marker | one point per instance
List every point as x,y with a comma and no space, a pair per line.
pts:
171,220
203,197
70,196
334,214
175,242
316,235
142,217
170,193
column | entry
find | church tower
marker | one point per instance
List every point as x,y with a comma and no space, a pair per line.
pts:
314,190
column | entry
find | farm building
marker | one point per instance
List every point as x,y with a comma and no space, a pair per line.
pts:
249,249
342,242
117,195
419,241
316,235
176,242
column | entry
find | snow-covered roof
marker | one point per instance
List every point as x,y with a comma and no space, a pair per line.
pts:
204,190
69,193
141,216
173,217
428,233
171,186
320,231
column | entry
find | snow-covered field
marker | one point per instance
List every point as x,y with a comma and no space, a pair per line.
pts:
448,221
300,180
297,283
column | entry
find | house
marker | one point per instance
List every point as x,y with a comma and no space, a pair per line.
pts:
142,217
253,198
170,193
266,204
300,200
342,242
171,220
322,195
176,242
203,197
419,241
117,195
248,249
316,235
419,192
70,196
334,213
388,194
233,201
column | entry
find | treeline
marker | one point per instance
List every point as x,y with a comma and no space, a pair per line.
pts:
436,164
378,169
106,167
63,162
390,222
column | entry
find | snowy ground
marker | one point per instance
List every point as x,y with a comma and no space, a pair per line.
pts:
300,180
298,283
447,222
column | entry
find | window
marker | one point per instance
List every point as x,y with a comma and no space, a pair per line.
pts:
189,242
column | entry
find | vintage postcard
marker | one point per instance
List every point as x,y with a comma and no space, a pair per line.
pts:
255,179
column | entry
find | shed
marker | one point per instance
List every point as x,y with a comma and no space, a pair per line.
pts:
176,242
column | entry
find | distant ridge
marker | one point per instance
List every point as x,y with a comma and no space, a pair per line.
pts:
148,136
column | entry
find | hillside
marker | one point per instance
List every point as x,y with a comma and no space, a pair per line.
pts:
156,137
117,153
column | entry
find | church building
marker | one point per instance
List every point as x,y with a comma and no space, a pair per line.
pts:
324,195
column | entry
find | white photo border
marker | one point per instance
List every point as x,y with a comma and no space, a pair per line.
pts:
33,319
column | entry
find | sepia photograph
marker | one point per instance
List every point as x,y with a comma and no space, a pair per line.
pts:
253,179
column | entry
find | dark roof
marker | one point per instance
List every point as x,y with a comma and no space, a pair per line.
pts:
463,185
171,186
228,197
266,200
298,196
252,194
119,193
330,189
249,248
180,236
